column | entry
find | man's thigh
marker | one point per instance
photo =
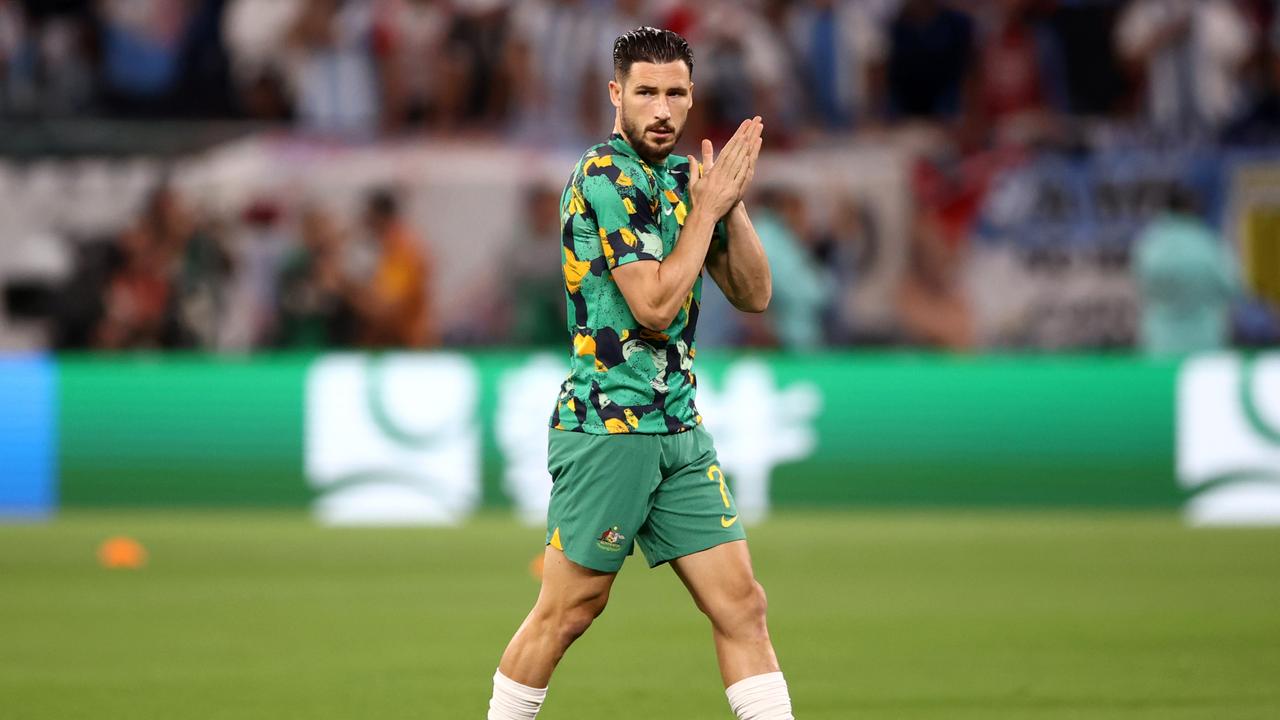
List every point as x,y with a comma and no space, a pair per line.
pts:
600,495
566,584
717,576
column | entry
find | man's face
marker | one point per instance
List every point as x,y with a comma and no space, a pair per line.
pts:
653,102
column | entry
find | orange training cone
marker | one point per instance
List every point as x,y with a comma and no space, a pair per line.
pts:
122,553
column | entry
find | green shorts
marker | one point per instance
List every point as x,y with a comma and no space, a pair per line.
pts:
667,491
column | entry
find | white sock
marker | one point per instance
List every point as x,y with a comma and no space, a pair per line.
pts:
761,697
513,701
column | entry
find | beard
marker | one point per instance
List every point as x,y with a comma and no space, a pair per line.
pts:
651,152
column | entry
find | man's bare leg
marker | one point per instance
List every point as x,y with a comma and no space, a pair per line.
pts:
572,597
723,585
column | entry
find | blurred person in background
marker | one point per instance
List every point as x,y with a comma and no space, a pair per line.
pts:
1188,280
931,48
552,58
334,70
409,38
135,308
933,307
79,306
1085,31
312,307
196,258
169,287
205,87
142,45
1260,123
802,289
1020,81
256,34
13,48
847,247
841,48
1190,53
476,92
18,88
536,297
393,309
45,67
744,67
257,247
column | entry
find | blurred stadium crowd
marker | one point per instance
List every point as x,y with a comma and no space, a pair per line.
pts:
1064,176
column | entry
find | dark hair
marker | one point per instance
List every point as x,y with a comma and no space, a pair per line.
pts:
649,44
382,203
1181,199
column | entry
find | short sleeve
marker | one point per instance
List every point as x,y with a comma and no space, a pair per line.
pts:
624,214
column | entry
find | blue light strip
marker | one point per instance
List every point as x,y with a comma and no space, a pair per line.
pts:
28,436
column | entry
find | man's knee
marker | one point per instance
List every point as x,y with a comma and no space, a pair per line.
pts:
739,610
576,619
568,621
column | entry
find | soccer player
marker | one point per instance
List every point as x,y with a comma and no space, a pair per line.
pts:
628,454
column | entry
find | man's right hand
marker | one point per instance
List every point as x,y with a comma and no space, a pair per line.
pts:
721,183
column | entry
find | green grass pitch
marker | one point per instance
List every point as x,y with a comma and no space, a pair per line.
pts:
875,615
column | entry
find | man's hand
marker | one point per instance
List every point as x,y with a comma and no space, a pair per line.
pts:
655,291
740,266
719,185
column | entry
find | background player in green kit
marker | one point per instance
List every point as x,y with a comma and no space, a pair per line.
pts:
628,454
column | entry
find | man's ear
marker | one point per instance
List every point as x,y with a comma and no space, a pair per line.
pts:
615,93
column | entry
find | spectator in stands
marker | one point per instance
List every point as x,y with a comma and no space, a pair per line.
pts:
17,70
803,290
841,49
1191,53
848,249
136,306
933,307
476,90
409,41
1020,80
1085,30
256,34
553,56
258,244
1188,280
930,60
312,306
743,69
537,299
142,45
205,88
1260,123
336,78
194,260
44,62
393,309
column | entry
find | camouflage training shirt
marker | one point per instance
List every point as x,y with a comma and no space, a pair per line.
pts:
618,209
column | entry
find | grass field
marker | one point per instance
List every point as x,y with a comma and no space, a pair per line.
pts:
884,615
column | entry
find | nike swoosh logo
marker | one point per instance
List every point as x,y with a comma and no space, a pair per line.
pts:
668,211
728,522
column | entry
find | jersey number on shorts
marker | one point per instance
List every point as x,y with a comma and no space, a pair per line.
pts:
716,475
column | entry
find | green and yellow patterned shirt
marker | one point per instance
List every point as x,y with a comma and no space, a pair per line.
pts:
619,209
